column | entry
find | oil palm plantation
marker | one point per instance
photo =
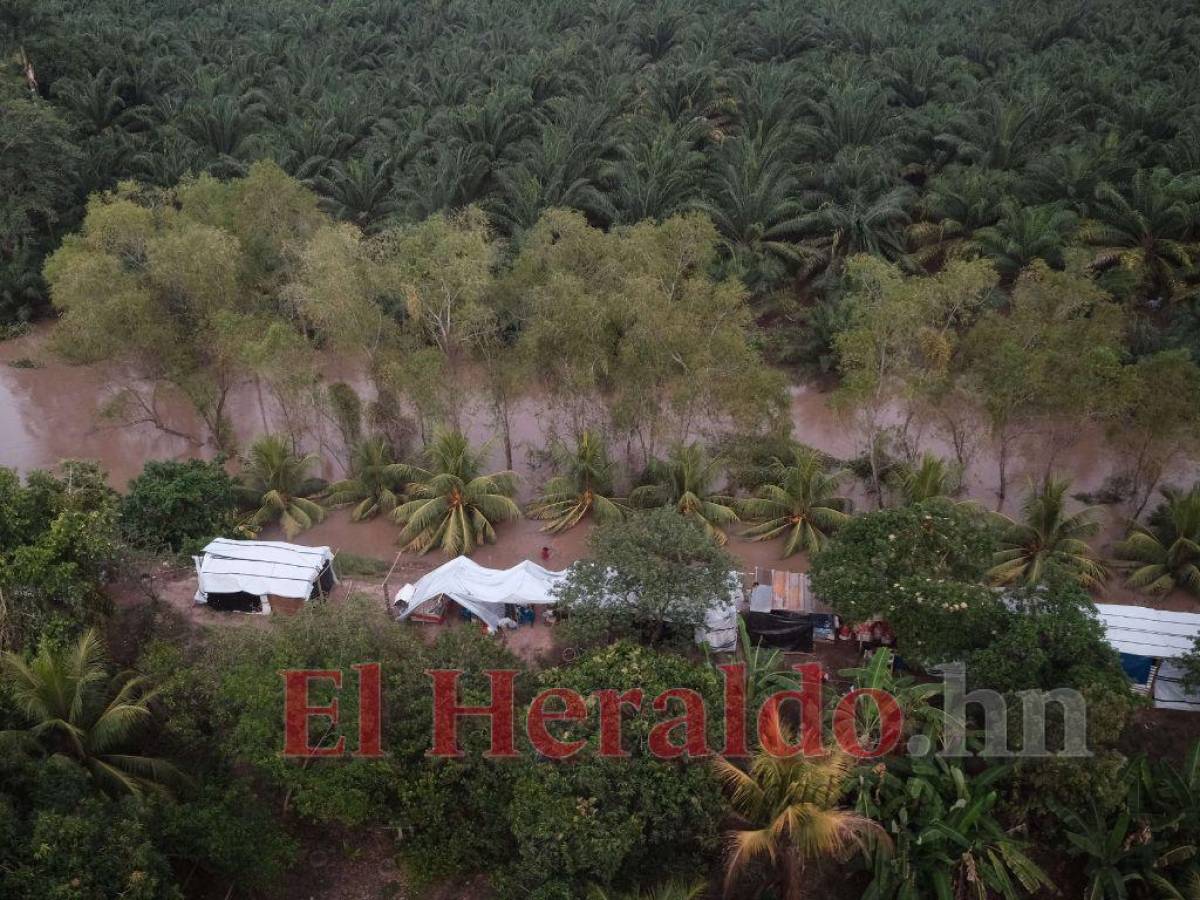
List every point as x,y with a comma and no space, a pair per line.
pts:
278,480
790,814
684,481
76,709
1166,552
1045,538
454,505
583,487
375,484
799,504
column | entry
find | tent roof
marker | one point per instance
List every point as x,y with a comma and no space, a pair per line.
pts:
1142,631
483,591
261,568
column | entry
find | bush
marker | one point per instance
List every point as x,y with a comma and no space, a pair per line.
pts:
178,506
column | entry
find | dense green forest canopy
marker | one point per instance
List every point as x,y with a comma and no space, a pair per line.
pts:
913,129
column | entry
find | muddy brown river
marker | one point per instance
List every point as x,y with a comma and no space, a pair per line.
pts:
53,411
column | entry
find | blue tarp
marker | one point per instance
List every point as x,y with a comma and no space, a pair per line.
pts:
1137,667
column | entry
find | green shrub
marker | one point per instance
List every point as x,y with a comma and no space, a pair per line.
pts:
178,506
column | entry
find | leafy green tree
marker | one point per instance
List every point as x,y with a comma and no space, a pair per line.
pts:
1155,422
277,479
800,503
582,487
857,571
75,708
619,823
375,484
190,275
1047,537
454,505
176,505
790,814
1166,552
652,572
684,482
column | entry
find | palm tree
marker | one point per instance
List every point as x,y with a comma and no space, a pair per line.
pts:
75,709
359,191
790,812
684,481
454,505
375,481
857,205
668,890
957,203
583,487
932,478
752,203
1168,549
1047,538
800,502
1144,229
1023,234
278,481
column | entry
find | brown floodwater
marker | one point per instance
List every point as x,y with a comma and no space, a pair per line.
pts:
53,411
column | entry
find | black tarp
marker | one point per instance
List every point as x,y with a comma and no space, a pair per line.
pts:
782,629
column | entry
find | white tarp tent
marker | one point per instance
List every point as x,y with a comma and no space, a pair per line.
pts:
1157,634
481,590
262,569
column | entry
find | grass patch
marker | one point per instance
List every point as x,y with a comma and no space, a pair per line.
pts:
352,565
24,362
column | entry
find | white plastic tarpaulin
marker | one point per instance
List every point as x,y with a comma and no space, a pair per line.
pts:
1141,631
1160,635
261,568
481,590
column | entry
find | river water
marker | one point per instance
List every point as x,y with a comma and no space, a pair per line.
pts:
53,411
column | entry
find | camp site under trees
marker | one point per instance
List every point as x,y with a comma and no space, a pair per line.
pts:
714,375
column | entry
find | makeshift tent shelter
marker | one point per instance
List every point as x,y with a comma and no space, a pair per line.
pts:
485,592
245,575
1149,640
482,591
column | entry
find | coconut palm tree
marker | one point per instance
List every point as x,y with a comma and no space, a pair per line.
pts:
1143,229
375,483
1167,551
1047,537
77,710
277,480
932,478
790,812
800,503
684,481
454,505
582,487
